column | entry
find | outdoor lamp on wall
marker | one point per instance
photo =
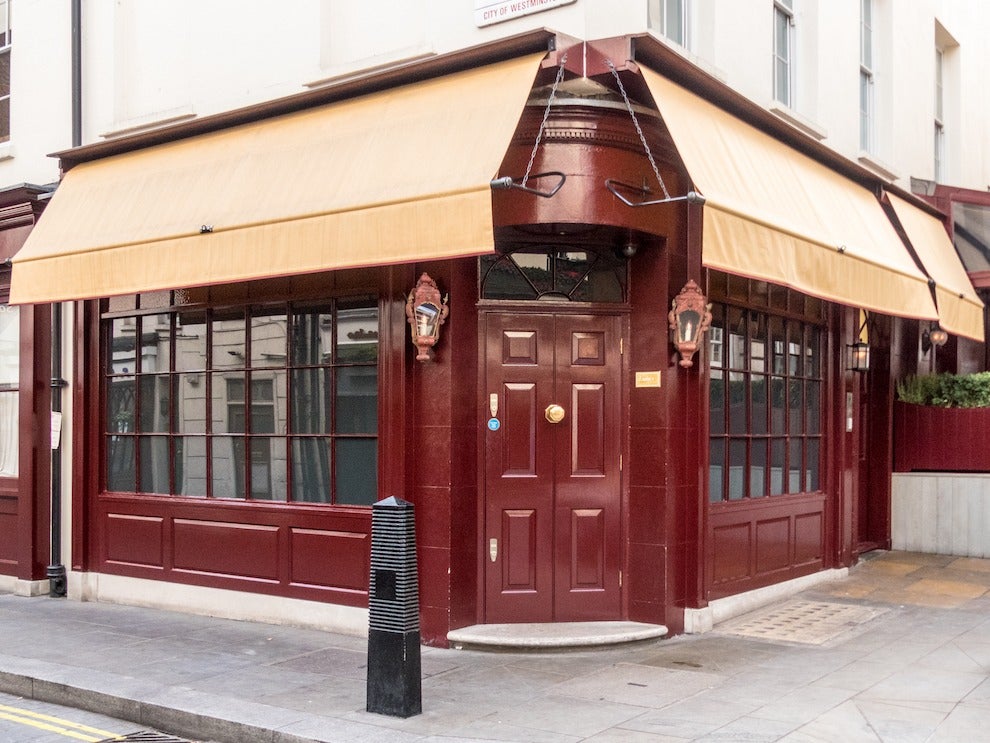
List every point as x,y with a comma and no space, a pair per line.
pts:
933,337
859,356
859,352
426,312
689,317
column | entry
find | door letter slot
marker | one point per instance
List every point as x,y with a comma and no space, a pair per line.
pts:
493,548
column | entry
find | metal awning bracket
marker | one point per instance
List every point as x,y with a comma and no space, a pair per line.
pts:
616,187
507,182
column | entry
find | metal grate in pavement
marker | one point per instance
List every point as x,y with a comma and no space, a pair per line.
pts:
806,622
145,736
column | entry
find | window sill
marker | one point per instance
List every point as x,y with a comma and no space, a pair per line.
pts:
877,166
6,151
798,121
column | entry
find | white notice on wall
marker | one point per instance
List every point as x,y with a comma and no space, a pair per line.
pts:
56,429
487,12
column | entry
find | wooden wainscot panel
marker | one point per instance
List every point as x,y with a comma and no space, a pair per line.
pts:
330,559
773,544
135,540
809,538
732,550
214,547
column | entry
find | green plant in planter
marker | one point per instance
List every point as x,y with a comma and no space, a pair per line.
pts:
946,390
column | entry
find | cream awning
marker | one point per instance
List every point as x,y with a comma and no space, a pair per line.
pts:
960,310
390,177
773,213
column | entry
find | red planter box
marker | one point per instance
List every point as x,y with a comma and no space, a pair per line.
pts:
932,439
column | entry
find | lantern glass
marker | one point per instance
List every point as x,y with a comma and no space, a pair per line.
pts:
688,325
427,315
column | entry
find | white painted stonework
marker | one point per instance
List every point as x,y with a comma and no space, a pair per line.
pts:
941,513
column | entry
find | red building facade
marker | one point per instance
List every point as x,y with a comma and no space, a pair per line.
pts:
233,427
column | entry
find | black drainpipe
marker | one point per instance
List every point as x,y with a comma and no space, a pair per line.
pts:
56,570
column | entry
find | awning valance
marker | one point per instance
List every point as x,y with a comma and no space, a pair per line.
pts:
775,214
391,177
960,310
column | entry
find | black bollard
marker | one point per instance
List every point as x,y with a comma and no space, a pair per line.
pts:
394,673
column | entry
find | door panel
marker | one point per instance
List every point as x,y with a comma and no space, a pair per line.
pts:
562,479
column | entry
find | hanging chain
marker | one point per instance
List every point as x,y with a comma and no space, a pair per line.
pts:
546,115
639,131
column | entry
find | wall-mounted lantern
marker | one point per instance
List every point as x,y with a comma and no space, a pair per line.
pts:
689,317
933,337
426,312
859,356
859,352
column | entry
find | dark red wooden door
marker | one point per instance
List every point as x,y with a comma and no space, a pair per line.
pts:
552,519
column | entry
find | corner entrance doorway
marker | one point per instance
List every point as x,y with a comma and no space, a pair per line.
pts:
551,533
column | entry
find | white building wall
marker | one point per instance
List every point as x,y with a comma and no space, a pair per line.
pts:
149,63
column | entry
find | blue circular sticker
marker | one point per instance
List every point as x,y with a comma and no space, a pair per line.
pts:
494,424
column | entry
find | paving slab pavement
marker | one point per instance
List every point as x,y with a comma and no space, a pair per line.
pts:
897,651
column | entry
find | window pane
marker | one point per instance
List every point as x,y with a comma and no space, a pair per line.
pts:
156,403
737,469
311,470
778,346
229,414
357,399
268,468
605,282
190,341
9,439
121,468
227,455
357,334
269,334
758,401
812,353
737,403
796,401
716,402
778,406
674,20
357,471
814,406
757,468
778,450
310,400
190,465
156,345
121,405
537,268
10,344
122,358
716,470
737,339
312,338
229,341
814,460
504,280
189,396
795,466
154,464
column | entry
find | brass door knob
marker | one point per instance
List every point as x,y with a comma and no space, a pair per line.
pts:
554,413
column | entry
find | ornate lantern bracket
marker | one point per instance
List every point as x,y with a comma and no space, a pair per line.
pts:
689,317
426,312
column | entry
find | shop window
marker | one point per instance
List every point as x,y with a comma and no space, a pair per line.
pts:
555,274
765,397
9,399
274,403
